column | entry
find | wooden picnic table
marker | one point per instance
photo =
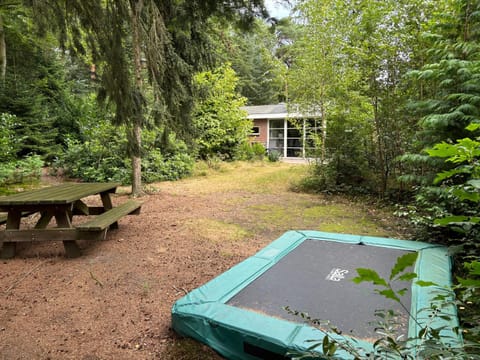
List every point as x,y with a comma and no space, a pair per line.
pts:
61,202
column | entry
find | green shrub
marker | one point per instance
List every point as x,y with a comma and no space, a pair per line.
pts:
100,159
9,144
156,167
17,172
221,126
320,178
103,156
250,151
274,155
468,290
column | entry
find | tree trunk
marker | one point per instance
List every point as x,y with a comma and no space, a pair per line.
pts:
137,162
136,7
324,130
381,151
3,52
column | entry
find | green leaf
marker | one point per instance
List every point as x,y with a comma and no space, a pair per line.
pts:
450,173
423,283
442,150
402,263
475,183
332,349
369,275
402,291
407,277
457,220
325,344
473,267
447,220
473,127
463,194
389,294
469,282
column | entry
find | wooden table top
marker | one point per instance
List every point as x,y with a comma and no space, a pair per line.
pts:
58,194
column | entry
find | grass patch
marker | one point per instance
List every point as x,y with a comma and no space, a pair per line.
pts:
316,212
258,177
352,226
217,231
330,217
260,198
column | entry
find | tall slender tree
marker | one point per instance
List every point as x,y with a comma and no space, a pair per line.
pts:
448,105
3,51
6,8
252,55
319,69
357,52
388,45
146,52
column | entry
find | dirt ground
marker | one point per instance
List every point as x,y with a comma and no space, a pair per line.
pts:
114,301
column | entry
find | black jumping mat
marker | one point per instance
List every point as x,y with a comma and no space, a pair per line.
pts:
316,278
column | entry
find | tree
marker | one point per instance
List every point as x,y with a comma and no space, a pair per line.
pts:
388,44
146,52
221,126
450,105
36,87
3,51
355,55
449,98
252,54
320,72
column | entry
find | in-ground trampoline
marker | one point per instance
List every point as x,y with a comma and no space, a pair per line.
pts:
241,313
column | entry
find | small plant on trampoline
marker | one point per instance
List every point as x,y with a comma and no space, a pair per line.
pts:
428,343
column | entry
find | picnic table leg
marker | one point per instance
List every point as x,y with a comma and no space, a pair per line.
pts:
44,220
71,247
107,205
13,222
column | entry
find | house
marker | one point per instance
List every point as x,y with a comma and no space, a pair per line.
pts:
289,133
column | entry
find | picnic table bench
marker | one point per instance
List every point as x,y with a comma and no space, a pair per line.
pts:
61,202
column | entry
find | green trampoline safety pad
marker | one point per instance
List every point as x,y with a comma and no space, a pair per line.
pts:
242,312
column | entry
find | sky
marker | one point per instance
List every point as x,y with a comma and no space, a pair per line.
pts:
277,9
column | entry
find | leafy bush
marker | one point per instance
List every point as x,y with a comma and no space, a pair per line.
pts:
21,171
174,163
468,290
250,151
447,211
94,160
221,126
320,178
274,155
103,155
9,143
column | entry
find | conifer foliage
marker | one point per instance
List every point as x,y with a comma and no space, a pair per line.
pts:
146,52
449,130
450,82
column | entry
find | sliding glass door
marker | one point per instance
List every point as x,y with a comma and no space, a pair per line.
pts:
286,137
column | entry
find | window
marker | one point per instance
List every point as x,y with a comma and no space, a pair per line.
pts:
293,137
276,135
255,131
